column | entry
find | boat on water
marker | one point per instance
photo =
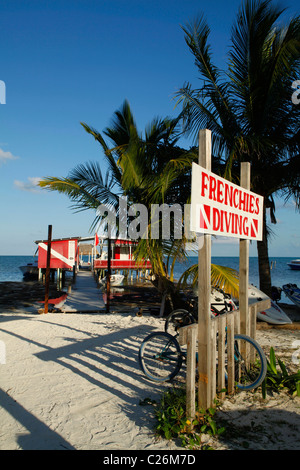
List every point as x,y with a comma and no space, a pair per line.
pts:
292,291
294,264
30,269
274,315
115,280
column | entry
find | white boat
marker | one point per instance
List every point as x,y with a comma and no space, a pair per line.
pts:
274,315
294,264
292,291
115,280
30,269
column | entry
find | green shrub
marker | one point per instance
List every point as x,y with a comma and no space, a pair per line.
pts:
280,379
172,421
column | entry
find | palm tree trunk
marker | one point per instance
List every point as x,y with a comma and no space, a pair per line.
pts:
263,260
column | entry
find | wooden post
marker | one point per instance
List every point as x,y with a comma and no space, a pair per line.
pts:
230,354
221,356
213,370
204,289
253,316
108,275
190,375
244,262
48,269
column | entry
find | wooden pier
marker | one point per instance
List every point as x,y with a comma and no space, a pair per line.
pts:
85,296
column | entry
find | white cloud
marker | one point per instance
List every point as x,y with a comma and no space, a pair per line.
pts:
5,156
225,240
31,185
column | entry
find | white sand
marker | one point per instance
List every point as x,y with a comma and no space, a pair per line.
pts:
72,381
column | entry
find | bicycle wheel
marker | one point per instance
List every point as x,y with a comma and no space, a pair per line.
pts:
250,363
160,357
177,319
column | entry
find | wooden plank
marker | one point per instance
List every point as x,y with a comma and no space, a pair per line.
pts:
221,356
253,314
182,338
237,322
262,305
213,366
190,374
244,261
204,287
230,354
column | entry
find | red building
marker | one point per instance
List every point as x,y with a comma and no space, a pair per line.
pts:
121,256
64,253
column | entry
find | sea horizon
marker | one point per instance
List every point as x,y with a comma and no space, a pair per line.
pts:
280,272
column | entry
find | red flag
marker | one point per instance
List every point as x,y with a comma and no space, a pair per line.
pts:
96,239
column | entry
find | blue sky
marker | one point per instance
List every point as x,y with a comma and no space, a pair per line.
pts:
64,62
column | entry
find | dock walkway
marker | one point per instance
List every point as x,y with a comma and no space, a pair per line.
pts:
85,296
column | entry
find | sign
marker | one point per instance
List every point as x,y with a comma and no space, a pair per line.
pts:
219,207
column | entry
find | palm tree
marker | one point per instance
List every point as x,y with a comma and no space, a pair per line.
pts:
147,169
248,107
144,168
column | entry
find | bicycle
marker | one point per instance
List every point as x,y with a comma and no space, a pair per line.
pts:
182,317
161,359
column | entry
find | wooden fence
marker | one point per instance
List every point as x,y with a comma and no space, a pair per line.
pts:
223,327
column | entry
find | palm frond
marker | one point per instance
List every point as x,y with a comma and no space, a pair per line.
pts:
73,190
226,279
222,277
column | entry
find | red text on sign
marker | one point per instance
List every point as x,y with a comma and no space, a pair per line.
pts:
224,193
223,221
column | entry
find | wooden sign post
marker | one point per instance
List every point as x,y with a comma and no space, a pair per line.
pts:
223,208
204,288
244,262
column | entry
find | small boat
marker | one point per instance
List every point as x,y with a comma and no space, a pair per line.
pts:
115,280
30,269
294,264
274,315
292,291
55,303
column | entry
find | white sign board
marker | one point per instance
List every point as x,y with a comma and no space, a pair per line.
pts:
219,207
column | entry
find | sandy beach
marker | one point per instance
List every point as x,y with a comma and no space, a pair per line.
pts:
72,381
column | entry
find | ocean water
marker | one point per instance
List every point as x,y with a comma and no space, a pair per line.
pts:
281,273
9,267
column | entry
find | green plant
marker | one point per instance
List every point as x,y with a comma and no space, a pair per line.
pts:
172,421
279,379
